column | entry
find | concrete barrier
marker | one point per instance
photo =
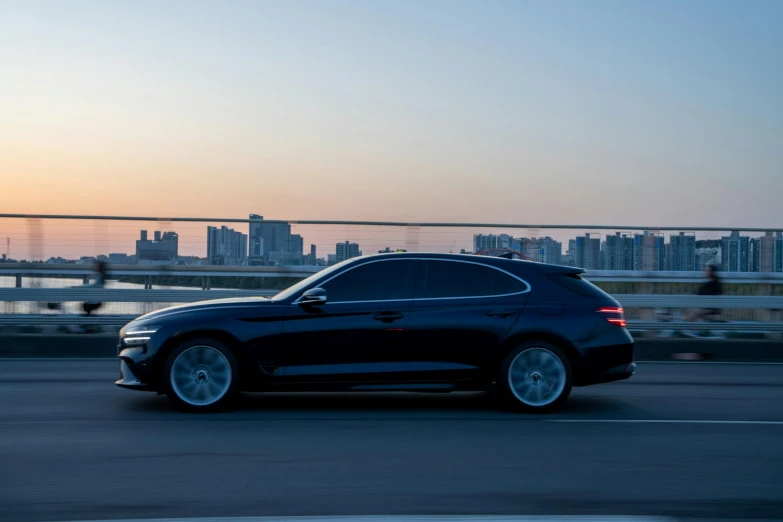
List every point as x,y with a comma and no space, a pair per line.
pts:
103,345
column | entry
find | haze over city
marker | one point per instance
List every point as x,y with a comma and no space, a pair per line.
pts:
620,112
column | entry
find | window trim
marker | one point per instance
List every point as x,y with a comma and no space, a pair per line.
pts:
320,283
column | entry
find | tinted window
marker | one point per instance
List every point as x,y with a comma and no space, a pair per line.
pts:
577,285
455,279
377,281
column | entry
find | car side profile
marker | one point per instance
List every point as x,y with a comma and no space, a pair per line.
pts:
389,322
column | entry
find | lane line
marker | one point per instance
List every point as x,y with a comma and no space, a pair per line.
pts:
668,421
684,363
57,359
406,518
733,363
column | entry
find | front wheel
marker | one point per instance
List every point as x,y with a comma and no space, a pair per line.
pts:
536,377
201,375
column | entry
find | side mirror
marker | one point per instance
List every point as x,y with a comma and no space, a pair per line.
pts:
313,297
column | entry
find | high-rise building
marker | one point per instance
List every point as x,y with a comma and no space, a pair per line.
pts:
270,240
767,244
587,252
296,244
256,246
682,253
163,249
755,254
542,249
226,246
484,242
708,253
282,237
735,253
505,242
347,250
779,252
618,252
310,259
649,252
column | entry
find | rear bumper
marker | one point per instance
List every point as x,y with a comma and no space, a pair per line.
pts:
618,373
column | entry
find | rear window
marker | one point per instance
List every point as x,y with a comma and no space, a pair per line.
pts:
578,285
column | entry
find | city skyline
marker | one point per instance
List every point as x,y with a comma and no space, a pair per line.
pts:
621,250
556,112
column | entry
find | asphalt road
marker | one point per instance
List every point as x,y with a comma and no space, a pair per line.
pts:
683,440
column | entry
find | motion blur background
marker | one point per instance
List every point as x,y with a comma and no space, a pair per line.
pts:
215,149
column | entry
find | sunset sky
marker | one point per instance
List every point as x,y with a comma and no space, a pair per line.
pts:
635,112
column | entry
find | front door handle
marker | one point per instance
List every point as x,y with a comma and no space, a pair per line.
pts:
501,313
388,317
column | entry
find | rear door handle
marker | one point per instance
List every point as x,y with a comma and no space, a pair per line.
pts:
388,317
501,313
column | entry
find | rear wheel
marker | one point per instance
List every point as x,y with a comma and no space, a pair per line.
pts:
201,375
536,377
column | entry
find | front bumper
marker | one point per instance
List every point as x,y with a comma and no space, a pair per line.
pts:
129,371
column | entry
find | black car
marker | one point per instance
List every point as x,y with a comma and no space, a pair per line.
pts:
401,322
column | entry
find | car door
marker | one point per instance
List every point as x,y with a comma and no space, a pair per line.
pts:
463,311
354,335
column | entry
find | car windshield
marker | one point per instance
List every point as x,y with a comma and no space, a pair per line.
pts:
304,283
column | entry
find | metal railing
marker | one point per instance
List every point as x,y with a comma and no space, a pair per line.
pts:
771,304
423,224
617,276
70,270
122,295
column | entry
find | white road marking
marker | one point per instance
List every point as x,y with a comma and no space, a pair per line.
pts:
405,518
58,359
689,363
669,421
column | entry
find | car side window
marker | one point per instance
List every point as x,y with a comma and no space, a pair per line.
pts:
456,279
378,281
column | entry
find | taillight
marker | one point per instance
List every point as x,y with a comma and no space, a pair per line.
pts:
613,314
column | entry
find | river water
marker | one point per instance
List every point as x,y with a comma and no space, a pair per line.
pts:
72,308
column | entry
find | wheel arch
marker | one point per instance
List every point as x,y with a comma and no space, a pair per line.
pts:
514,340
223,337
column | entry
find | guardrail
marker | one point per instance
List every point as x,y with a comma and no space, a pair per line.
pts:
44,269
122,295
617,276
139,295
725,302
772,304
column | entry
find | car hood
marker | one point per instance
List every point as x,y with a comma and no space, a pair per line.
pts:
231,302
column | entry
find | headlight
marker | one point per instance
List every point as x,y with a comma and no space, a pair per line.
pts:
139,334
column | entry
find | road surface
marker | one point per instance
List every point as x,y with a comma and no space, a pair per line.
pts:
684,440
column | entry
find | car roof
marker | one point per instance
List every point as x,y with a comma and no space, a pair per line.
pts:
499,262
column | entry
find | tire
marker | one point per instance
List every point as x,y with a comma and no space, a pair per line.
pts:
535,377
201,375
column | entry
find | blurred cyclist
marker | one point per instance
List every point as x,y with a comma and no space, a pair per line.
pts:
713,286
101,273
